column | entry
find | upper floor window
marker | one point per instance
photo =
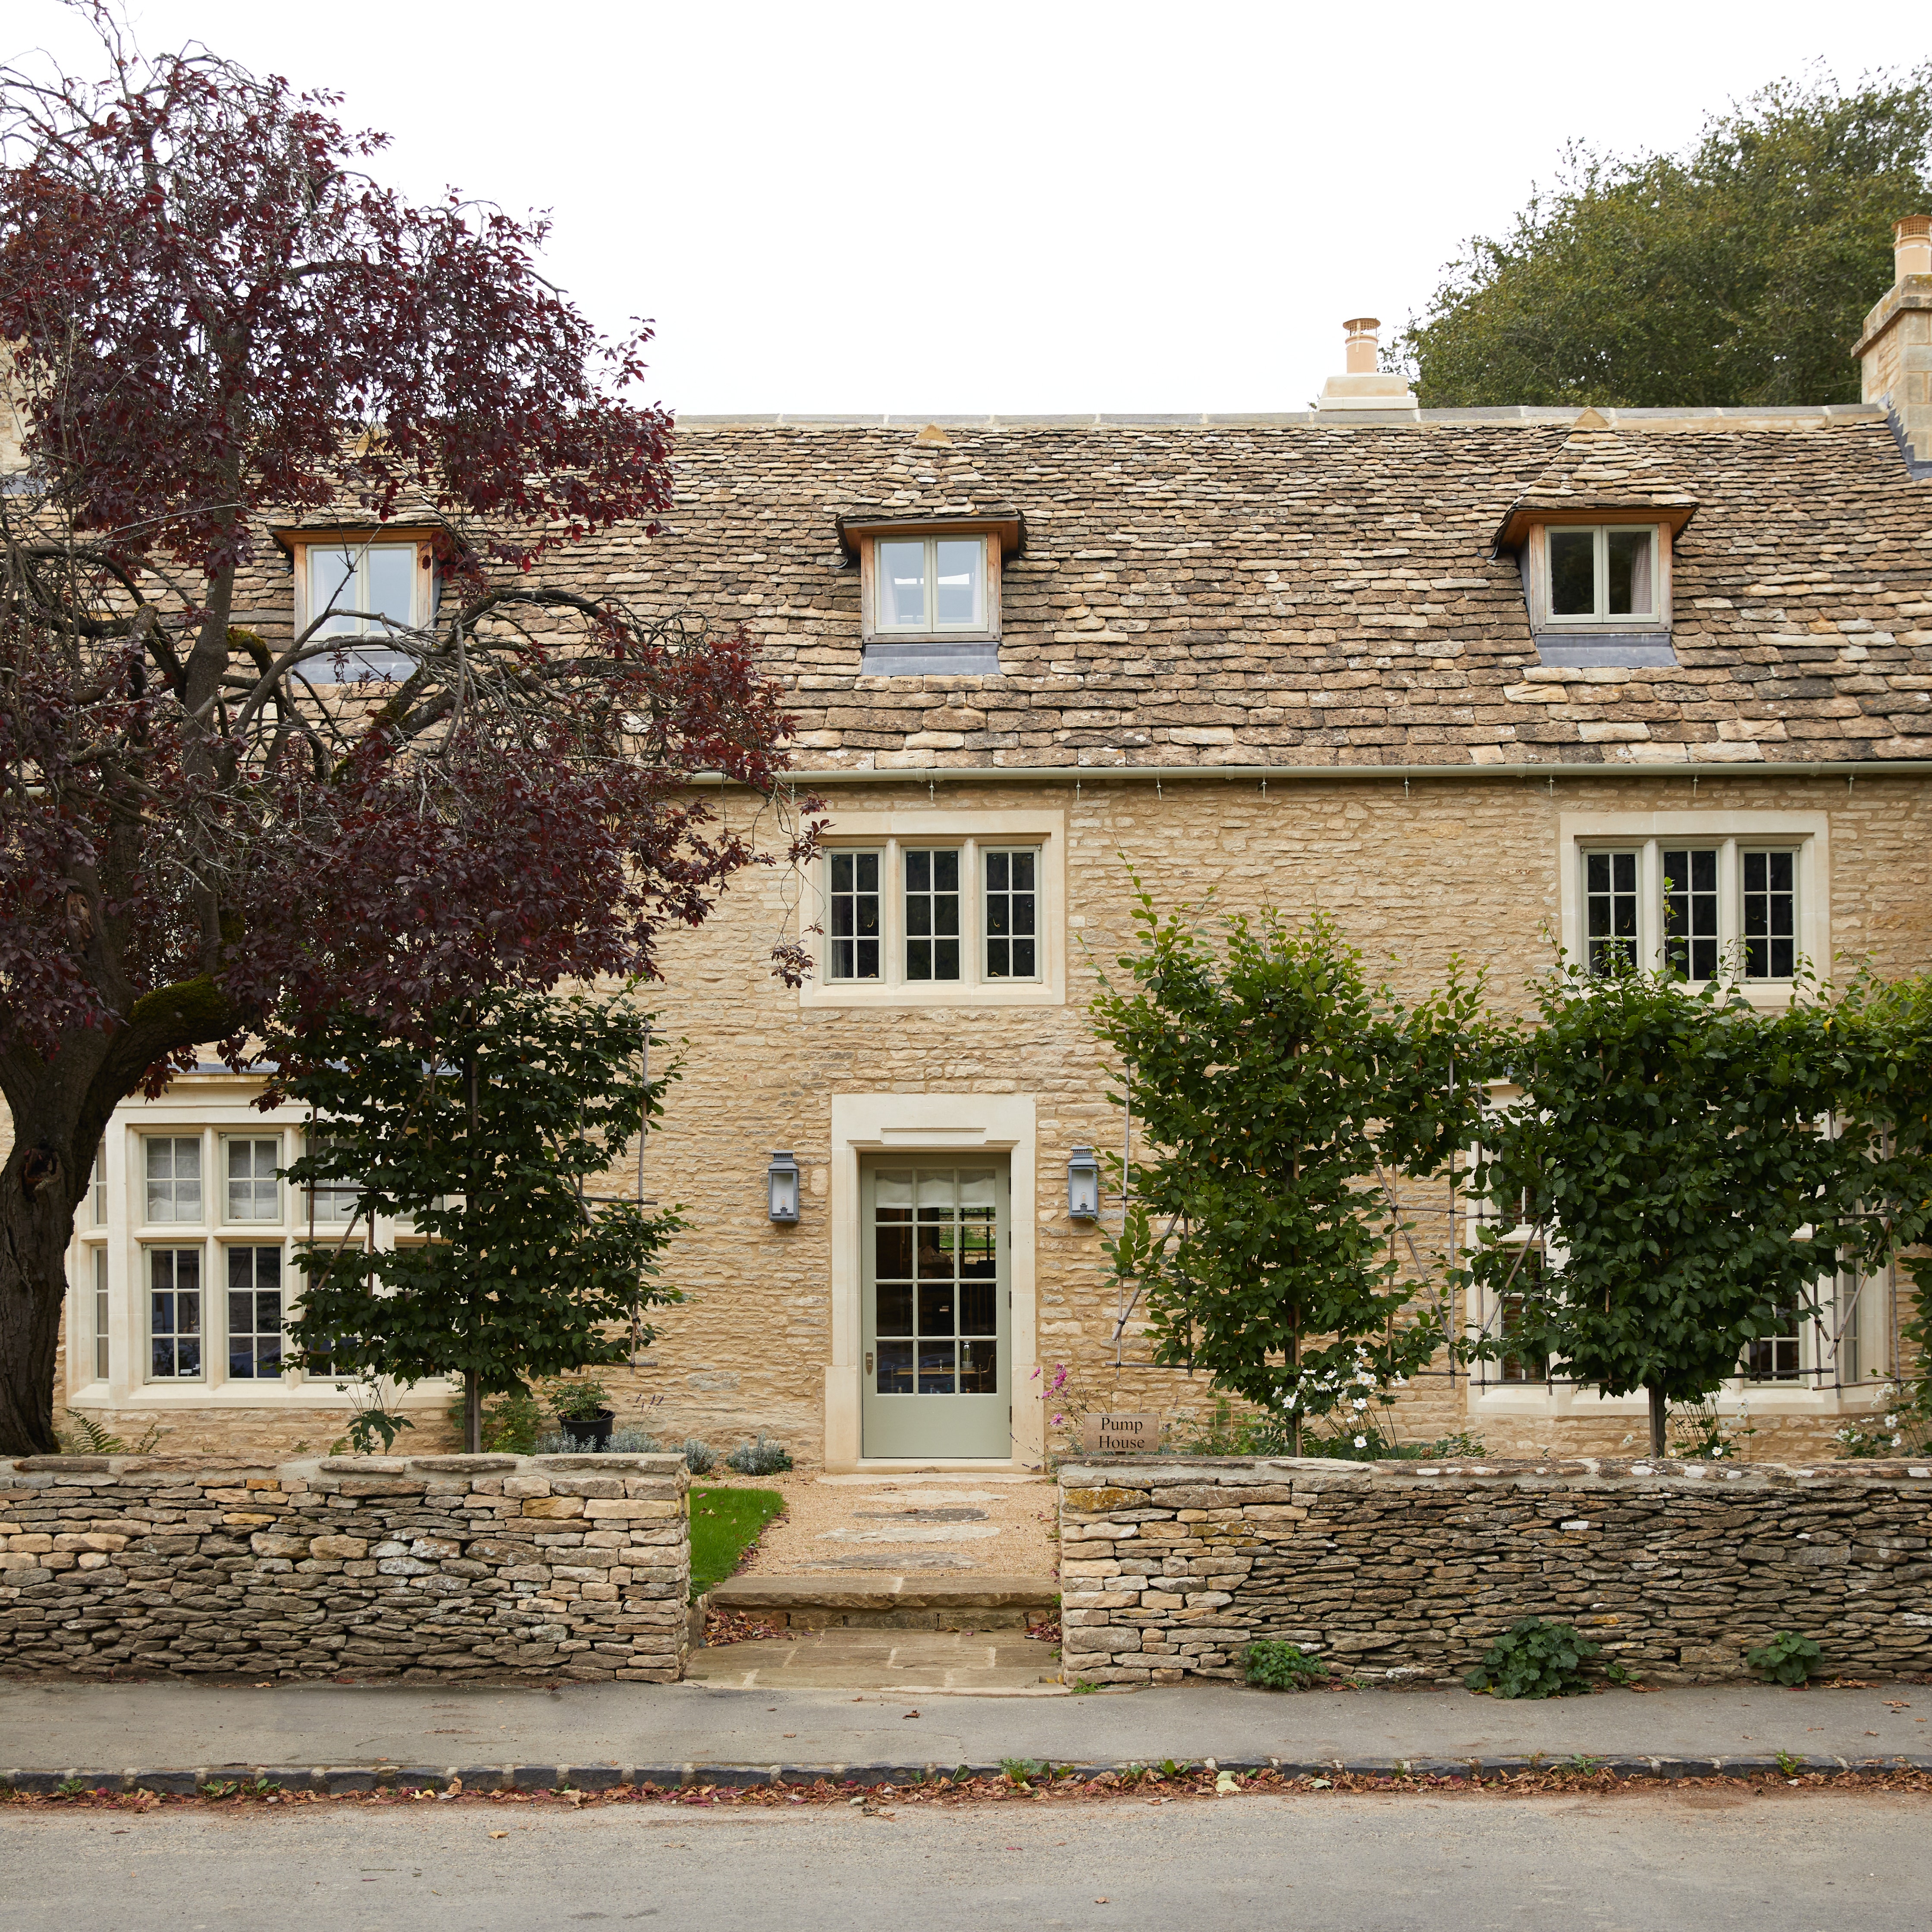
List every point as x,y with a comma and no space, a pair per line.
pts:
1725,910
174,1177
367,590
929,586
916,915
1742,898
929,591
1599,573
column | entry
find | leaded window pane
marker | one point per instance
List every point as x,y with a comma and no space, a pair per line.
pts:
1609,892
174,1314
253,1192
174,1177
1691,912
854,912
1012,902
254,1312
931,915
1770,908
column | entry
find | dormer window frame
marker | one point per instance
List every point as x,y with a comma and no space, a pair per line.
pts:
1001,539
366,652
1600,620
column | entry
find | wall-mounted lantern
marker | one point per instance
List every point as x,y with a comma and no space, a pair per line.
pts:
782,1176
1083,1185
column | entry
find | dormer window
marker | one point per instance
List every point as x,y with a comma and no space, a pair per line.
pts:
929,591
929,587
1602,573
365,590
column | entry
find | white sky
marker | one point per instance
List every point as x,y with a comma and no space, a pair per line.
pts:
1057,206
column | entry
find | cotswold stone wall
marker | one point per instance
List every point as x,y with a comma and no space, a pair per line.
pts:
429,1567
1171,1567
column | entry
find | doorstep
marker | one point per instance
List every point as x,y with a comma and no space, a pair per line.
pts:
883,1600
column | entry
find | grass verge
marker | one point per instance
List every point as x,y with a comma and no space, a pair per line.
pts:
725,1523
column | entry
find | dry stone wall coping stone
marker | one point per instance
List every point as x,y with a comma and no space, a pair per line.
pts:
429,1568
1172,1566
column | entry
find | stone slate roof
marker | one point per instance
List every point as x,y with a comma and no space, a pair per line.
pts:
1284,591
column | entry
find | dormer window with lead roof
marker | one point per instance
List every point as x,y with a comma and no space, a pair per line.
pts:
929,591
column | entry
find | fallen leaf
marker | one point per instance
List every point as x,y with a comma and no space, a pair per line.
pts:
1099,1901
499,1834
912,1713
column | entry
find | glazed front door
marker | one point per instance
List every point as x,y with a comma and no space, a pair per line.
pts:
937,1348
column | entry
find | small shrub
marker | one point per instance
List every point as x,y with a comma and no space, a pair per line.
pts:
1535,1658
583,1400
1788,1658
1277,1665
511,1422
623,1442
700,1458
89,1437
763,1457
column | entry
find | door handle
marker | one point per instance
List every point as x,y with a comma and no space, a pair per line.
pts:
868,1361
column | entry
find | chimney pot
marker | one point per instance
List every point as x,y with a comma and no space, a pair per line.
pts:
1911,246
1361,349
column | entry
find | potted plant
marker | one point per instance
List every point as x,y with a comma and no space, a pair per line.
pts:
583,1408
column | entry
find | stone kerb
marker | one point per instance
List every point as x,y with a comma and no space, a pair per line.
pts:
1170,1566
425,1567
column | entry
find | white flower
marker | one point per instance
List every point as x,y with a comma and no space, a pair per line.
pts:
1359,1403
1361,1442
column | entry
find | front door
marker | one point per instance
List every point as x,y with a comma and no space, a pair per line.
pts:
937,1349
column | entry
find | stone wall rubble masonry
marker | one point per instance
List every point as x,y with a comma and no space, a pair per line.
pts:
427,1568
1172,1567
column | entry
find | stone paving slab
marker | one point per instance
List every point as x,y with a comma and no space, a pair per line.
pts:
907,1662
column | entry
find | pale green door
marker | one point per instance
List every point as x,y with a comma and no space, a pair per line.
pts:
938,1346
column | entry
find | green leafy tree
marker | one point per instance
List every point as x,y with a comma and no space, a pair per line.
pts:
493,1142
1282,1094
1686,1171
1738,272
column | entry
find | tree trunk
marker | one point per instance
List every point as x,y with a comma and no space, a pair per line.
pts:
37,1205
1660,1410
472,1413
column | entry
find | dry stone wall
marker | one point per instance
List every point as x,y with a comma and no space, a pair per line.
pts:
427,1568
1171,1567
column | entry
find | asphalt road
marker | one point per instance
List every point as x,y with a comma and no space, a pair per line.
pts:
1710,1860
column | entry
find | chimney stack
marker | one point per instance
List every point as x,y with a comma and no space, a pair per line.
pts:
1894,350
1911,245
1363,387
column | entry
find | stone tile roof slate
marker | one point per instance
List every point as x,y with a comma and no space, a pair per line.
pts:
1282,592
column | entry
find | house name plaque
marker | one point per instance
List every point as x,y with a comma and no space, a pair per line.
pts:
1120,1434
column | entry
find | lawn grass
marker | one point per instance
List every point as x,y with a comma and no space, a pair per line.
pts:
724,1524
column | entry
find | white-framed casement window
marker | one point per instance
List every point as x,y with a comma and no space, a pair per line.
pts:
930,586
1603,573
1739,898
183,1273
176,1298
250,1161
1816,1361
950,907
365,589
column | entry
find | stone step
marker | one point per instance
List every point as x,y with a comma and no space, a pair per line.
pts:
883,1600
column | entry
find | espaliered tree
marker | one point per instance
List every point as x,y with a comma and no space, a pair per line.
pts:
1678,1173
494,1139
213,315
1282,1098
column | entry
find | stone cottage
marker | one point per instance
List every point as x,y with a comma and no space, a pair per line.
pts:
1474,681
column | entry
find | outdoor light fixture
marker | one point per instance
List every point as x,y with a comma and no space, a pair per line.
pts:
1083,1185
782,1177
